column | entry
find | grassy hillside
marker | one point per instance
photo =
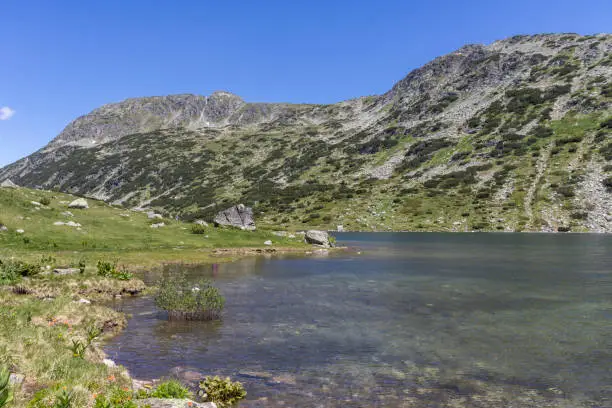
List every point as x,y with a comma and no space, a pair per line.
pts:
108,232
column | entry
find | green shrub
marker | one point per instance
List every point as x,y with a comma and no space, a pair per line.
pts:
6,394
44,201
64,400
188,301
109,270
115,398
171,389
198,229
222,392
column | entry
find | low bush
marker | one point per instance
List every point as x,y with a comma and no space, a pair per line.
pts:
184,300
6,394
222,392
198,229
109,270
44,201
170,389
12,271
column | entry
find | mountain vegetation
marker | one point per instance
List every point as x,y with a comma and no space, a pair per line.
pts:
511,136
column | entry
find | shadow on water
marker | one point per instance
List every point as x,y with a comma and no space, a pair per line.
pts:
476,320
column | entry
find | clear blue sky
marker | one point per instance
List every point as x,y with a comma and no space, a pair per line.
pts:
61,59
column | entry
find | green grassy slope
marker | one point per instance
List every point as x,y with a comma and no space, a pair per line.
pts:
105,233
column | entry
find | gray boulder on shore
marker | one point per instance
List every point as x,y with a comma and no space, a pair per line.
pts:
238,216
320,238
173,403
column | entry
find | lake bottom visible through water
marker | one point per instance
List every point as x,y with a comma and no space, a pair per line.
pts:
400,320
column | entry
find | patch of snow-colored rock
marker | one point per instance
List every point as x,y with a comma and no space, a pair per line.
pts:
79,203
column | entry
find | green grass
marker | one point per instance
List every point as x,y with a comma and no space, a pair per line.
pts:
106,234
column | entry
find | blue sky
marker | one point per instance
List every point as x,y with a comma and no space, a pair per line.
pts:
60,59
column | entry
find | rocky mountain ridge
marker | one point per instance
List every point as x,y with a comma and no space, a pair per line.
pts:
510,136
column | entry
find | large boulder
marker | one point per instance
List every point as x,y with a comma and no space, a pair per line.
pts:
238,216
79,203
317,237
8,184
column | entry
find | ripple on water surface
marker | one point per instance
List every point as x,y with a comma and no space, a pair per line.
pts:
478,320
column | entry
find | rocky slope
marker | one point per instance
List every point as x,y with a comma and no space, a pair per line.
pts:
511,136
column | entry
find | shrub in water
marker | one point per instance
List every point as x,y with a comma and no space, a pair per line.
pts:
189,301
222,392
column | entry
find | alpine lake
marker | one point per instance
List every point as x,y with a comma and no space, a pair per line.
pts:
398,320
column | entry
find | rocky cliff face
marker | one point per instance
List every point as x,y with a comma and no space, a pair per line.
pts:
510,136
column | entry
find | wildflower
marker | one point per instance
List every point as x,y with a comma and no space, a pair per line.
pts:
190,404
111,378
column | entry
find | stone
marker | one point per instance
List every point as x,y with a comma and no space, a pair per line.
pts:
59,223
158,225
19,231
73,224
109,363
66,271
268,242
153,216
3,228
67,214
79,203
16,379
36,203
238,216
317,237
201,222
124,215
340,228
8,184
173,403
85,301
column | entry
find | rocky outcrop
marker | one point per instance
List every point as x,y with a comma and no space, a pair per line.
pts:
8,184
238,216
79,203
320,238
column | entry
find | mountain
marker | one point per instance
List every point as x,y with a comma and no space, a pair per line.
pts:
511,136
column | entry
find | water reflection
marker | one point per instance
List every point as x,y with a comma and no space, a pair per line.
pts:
415,320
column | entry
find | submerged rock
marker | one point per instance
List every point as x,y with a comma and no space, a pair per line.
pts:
320,238
238,216
80,203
